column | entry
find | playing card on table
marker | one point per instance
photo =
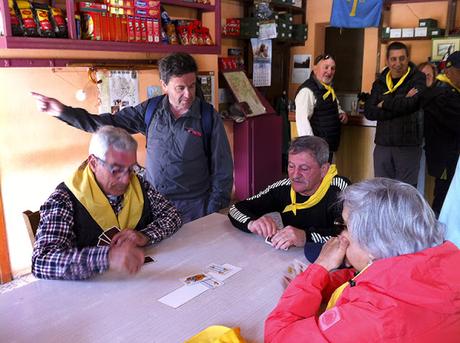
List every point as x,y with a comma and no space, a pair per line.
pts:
212,283
221,272
193,279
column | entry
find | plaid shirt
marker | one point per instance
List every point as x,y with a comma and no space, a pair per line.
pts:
55,254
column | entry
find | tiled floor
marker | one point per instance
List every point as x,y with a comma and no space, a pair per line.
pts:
19,282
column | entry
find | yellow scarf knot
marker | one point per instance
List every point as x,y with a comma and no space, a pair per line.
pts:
389,82
316,197
330,91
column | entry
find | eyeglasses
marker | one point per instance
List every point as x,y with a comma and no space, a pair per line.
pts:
323,57
115,170
340,225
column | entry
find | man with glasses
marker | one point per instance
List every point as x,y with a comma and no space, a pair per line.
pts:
317,110
103,195
395,102
188,158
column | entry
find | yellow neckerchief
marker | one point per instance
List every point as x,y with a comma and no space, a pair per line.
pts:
444,78
338,292
330,91
316,197
85,188
389,80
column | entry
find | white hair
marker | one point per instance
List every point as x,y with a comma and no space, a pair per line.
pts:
390,218
110,136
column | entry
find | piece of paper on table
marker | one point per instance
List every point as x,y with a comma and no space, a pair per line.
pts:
232,270
183,294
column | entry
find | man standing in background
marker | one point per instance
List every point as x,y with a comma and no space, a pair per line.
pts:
395,102
441,105
318,111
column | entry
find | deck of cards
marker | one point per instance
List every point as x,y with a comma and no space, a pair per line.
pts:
106,237
276,216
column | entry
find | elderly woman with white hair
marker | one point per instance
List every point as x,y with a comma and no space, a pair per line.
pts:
404,285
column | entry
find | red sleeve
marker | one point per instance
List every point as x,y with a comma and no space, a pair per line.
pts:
296,314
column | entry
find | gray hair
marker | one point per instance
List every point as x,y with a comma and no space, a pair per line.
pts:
175,65
317,146
390,218
110,136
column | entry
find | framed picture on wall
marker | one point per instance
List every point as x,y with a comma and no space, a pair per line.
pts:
444,45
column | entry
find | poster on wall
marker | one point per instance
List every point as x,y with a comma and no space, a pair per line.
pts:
117,89
262,68
301,68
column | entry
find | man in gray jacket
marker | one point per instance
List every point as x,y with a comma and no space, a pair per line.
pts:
197,179
394,102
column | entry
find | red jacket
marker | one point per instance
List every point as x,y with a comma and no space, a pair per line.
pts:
409,298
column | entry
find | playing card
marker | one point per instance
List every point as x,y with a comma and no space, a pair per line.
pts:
268,240
216,268
223,275
110,233
193,279
149,259
102,243
102,237
211,283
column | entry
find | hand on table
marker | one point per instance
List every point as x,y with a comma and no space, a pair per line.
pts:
126,258
49,105
333,252
265,226
289,236
135,237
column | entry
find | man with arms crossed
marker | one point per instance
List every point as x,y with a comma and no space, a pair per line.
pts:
395,102
104,192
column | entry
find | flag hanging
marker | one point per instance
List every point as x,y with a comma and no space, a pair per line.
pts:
356,13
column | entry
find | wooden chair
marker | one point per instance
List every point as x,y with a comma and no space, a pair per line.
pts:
31,219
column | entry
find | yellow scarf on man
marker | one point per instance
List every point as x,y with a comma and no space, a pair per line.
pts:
85,188
444,78
330,91
316,197
338,292
389,81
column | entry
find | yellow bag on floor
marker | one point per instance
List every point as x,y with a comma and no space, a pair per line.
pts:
217,334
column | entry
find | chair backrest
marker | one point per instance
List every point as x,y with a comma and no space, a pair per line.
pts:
31,219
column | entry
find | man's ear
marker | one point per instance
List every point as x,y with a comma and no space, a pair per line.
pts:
92,163
164,86
324,169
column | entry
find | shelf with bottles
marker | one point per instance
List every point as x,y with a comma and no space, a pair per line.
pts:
10,41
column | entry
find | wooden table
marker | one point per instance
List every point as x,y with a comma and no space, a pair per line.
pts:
115,308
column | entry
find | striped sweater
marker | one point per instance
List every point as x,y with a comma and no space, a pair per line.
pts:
316,221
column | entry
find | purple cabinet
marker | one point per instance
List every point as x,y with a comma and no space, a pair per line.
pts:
257,154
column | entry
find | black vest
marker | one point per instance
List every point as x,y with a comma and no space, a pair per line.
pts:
86,229
325,120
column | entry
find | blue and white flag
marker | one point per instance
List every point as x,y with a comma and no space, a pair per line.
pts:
356,13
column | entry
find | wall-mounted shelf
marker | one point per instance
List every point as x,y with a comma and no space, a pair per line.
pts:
8,41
